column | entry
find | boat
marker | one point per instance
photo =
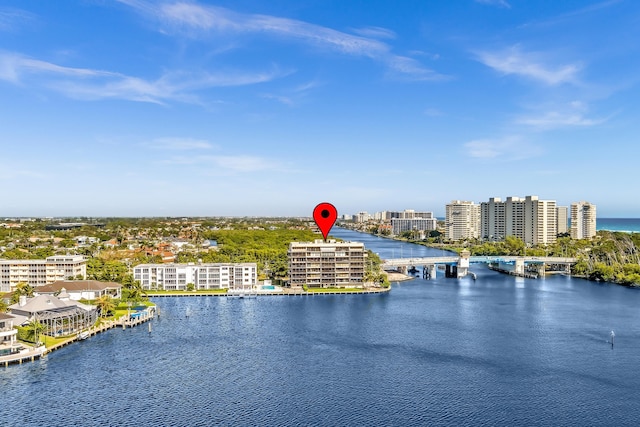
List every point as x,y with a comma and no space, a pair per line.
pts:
83,335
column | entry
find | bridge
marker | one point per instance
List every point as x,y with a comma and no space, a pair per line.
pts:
458,266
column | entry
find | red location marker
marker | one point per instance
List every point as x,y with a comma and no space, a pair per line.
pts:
325,215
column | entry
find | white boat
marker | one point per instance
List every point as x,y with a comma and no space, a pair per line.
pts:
83,335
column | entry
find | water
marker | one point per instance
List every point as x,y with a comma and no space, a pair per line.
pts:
497,351
629,225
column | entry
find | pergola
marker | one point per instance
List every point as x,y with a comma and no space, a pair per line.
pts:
67,321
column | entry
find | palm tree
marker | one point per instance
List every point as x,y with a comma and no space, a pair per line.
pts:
34,330
22,288
106,305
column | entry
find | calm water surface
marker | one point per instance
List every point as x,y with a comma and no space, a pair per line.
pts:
497,351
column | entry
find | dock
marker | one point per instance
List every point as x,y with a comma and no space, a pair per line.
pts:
126,321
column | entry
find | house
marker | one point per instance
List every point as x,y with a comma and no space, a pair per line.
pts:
82,289
8,342
59,315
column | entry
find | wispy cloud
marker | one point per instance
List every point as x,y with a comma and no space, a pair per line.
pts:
179,144
11,18
89,84
506,148
229,163
293,96
573,114
559,19
529,64
499,3
556,119
201,20
375,32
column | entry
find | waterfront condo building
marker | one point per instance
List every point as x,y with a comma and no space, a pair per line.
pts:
176,277
562,219
410,220
583,220
39,272
462,220
532,220
327,264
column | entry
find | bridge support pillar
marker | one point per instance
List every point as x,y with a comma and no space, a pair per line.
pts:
451,271
463,264
429,271
519,267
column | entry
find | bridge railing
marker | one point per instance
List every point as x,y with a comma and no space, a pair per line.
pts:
475,259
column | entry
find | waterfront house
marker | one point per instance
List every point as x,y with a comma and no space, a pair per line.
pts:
60,315
82,289
8,342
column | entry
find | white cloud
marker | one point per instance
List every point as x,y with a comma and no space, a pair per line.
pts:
499,3
556,119
229,163
574,114
11,18
83,83
531,65
375,32
179,144
200,20
507,148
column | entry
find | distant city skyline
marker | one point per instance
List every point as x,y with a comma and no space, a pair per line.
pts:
252,108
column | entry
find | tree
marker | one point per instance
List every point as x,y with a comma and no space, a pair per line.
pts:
33,331
514,245
105,305
132,291
22,288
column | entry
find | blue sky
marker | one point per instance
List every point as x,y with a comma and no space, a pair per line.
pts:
247,107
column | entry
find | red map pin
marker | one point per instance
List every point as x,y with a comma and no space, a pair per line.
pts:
325,215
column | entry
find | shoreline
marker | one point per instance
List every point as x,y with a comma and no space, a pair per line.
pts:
283,292
36,353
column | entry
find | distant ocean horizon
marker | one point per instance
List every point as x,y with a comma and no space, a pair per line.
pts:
627,225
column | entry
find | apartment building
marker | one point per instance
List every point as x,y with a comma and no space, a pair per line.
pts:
562,219
583,220
462,220
172,277
530,219
410,220
326,264
39,272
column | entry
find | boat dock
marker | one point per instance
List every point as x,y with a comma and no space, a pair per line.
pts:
127,321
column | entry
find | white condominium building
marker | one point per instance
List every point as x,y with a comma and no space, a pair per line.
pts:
410,220
326,264
172,277
39,272
362,217
530,219
583,220
462,220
